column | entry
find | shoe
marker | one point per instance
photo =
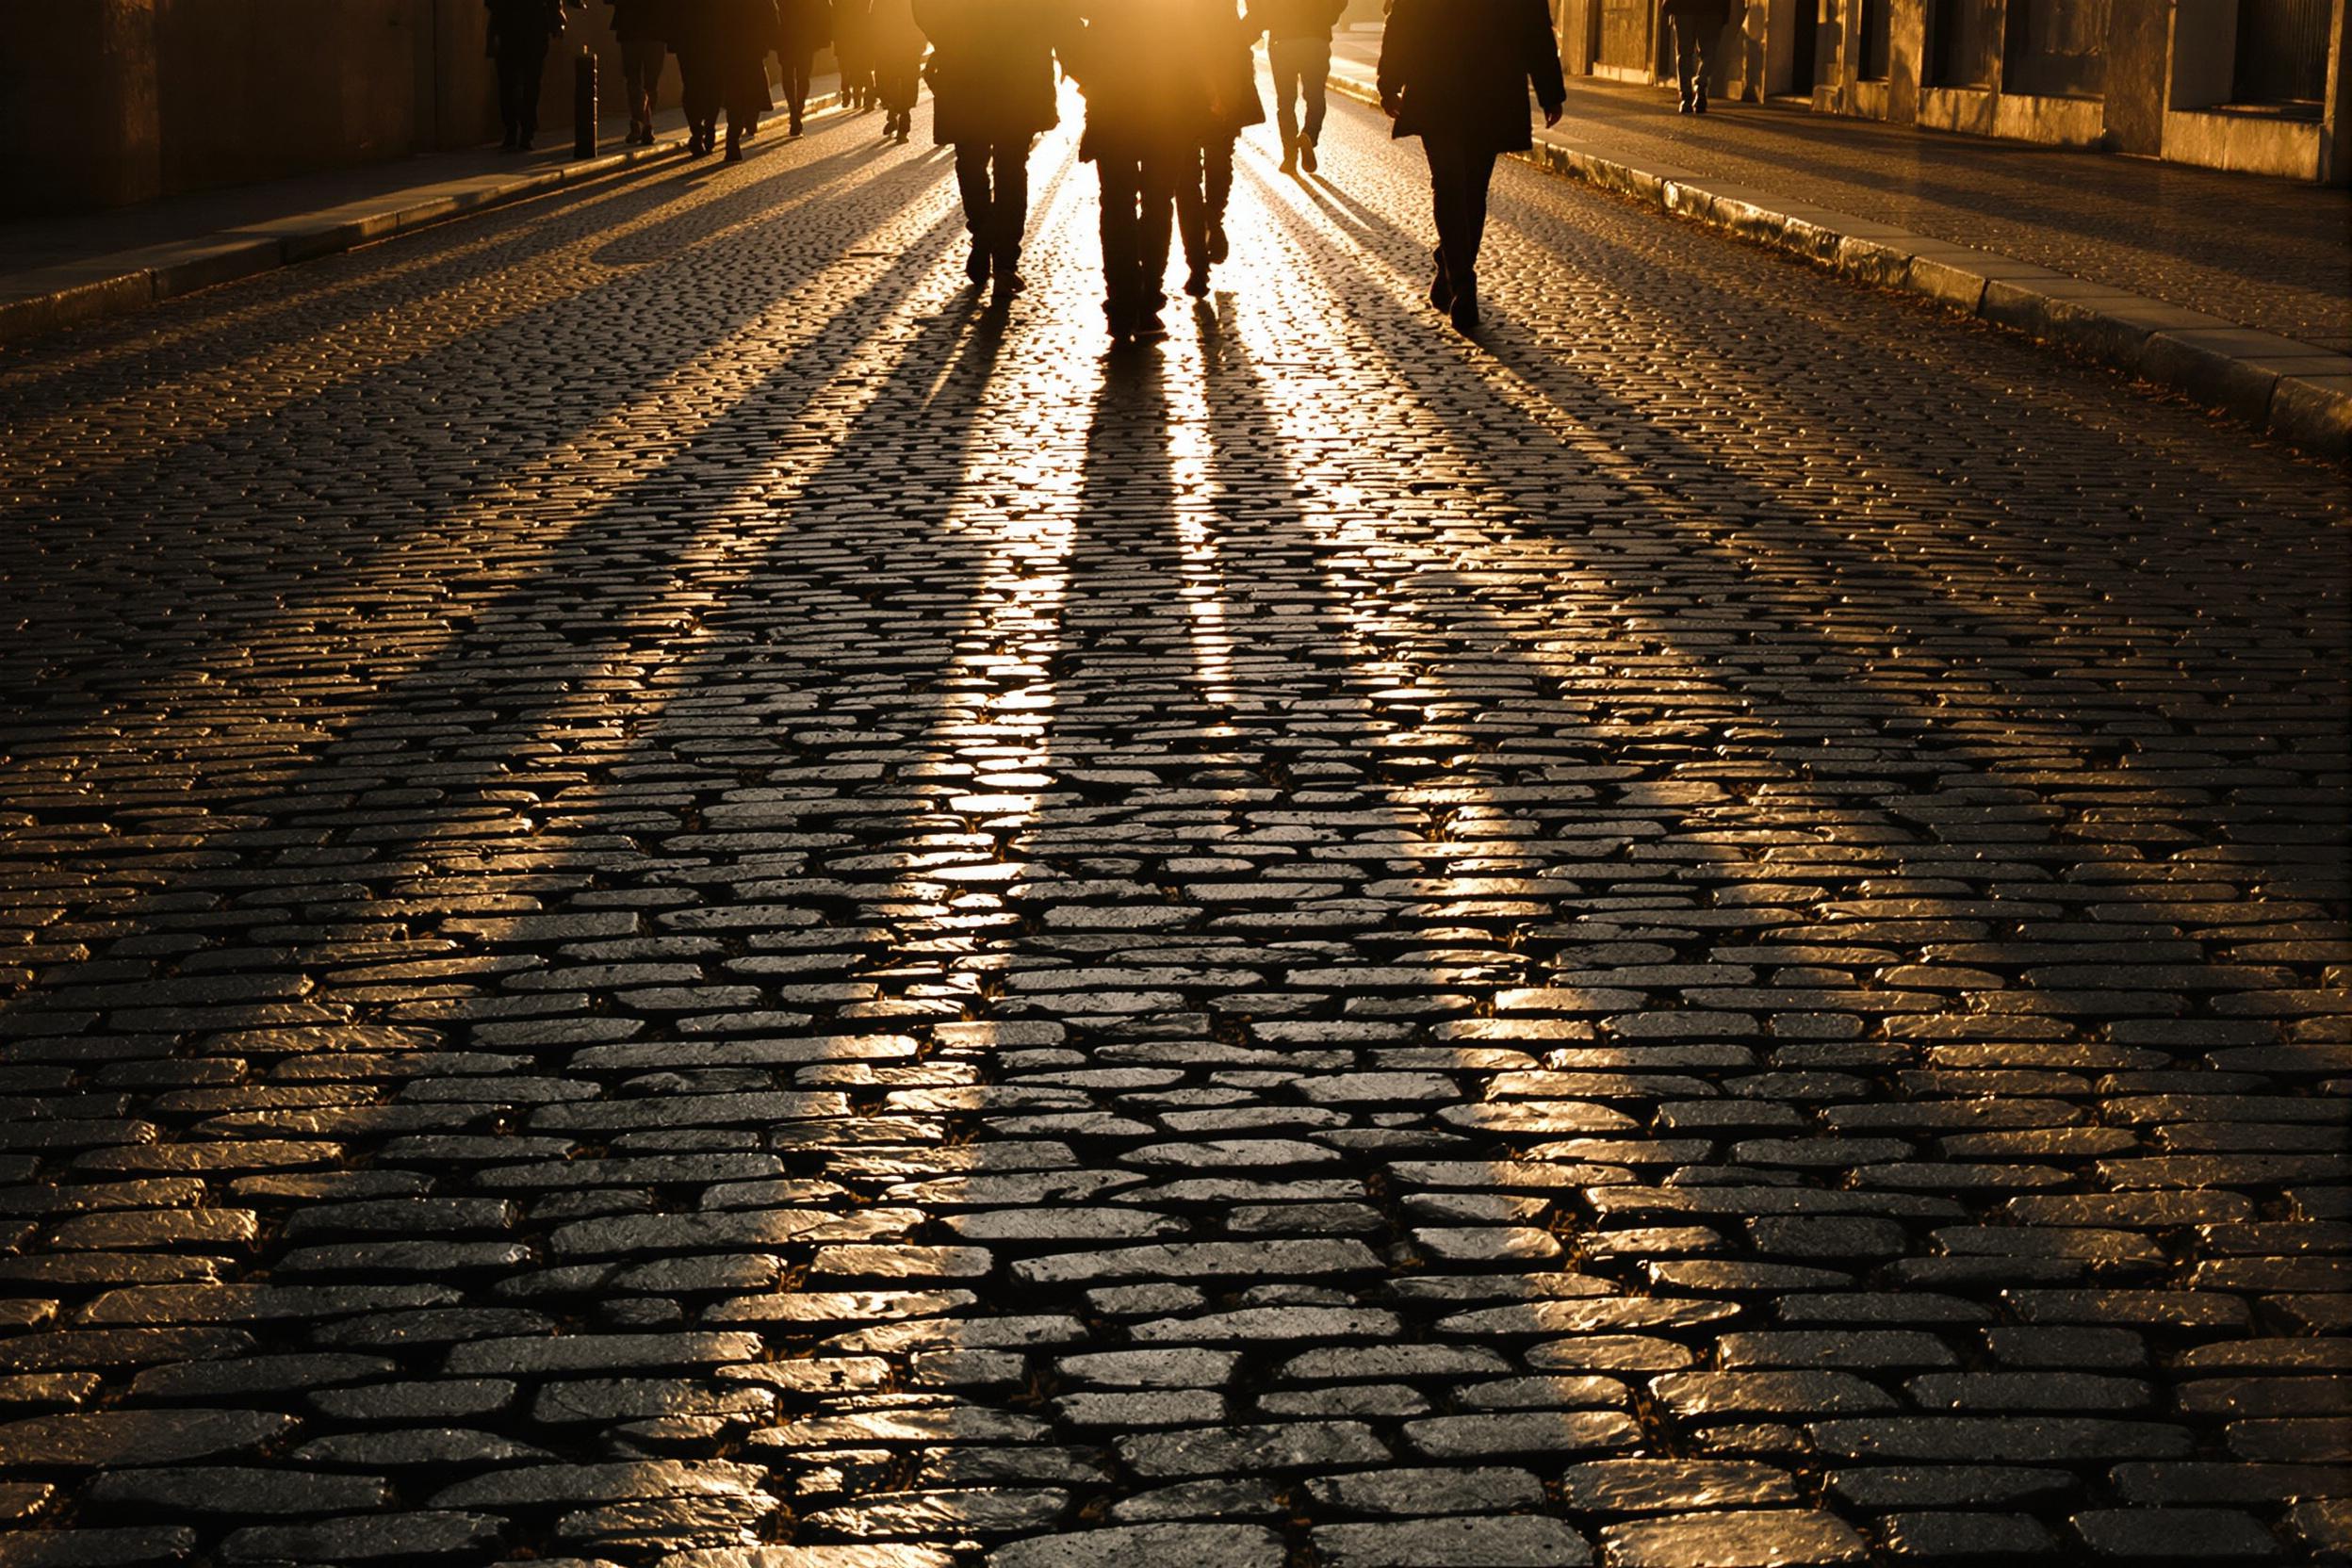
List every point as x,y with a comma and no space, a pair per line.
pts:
794,129
734,145
1007,284
1464,310
1196,283
524,145
1306,155
1218,249
1684,107
1698,103
1149,325
1441,288
977,264
512,143
1290,157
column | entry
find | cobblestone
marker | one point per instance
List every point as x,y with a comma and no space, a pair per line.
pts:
674,900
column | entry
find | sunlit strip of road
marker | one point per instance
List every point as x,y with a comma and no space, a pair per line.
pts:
51,452
629,443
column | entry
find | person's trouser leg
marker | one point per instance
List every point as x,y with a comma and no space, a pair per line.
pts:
1686,49
1217,177
1458,175
1313,75
1162,176
796,66
1281,57
1192,206
1121,177
971,183
1009,206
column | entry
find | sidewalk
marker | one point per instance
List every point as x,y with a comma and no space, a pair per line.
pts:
54,271
2233,291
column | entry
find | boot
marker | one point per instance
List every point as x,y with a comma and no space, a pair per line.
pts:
1465,311
976,265
1197,280
1306,154
734,145
1290,154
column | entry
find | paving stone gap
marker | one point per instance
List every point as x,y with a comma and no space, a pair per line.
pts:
675,900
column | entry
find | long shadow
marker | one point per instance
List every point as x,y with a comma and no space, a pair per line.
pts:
318,535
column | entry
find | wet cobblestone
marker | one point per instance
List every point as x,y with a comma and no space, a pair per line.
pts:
672,899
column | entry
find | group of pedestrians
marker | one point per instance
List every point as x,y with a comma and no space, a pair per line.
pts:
1170,84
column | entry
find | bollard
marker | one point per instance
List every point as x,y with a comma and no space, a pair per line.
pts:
584,104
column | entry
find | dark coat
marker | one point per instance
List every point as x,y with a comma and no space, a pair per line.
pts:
1287,19
803,26
516,18
1461,67
891,37
1147,77
852,29
640,21
1703,13
1225,40
722,48
992,68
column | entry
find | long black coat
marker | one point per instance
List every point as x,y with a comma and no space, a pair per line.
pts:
518,19
1461,67
1147,78
638,21
992,67
803,26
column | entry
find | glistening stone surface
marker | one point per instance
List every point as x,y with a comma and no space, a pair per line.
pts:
673,897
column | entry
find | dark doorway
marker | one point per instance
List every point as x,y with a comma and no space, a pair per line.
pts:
2056,48
2282,53
1804,42
1960,40
1876,42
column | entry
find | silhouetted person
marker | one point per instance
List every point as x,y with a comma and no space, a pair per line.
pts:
1456,75
1696,24
722,48
1146,102
992,94
802,27
639,26
1222,43
897,44
851,29
521,31
1299,48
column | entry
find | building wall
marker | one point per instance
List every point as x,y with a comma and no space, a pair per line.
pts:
114,101
2151,77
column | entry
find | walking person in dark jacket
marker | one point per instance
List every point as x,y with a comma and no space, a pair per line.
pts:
639,26
1459,83
897,46
520,33
992,93
1299,48
1222,45
1146,106
1696,24
802,27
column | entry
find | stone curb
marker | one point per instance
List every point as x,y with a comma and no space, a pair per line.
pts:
228,257
2300,394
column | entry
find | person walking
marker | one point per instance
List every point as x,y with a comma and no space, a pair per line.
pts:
1221,41
639,26
993,92
1462,90
520,31
802,27
852,26
897,46
1146,96
1299,50
1696,24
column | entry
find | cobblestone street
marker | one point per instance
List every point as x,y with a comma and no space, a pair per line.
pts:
677,900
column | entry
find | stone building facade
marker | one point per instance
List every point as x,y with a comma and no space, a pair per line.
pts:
2257,86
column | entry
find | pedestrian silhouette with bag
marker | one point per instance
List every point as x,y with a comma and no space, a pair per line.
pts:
1221,41
1298,51
520,31
993,92
1695,24
1147,108
1455,74
897,46
639,27
802,27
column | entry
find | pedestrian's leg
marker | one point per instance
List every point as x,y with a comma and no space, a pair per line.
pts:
1698,71
1686,41
1009,210
534,73
1162,177
1313,77
971,182
796,87
1121,269
1192,221
1217,169
1282,55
